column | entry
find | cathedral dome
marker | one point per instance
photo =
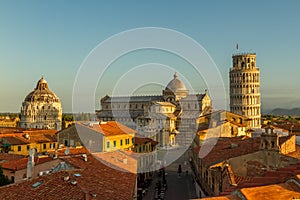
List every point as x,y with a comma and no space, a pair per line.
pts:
176,85
42,93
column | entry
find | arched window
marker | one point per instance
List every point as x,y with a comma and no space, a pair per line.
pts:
243,64
273,144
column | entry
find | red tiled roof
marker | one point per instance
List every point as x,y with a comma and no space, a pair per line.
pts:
35,136
154,143
96,181
4,130
115,159
283,139
15,140
8,157
12,130
273,126
227,197
288,190
290,127
295,154
226,148
19,164
142,140
272,177
71,151
110,128
52,187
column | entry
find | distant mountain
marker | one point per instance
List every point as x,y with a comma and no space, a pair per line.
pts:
283,111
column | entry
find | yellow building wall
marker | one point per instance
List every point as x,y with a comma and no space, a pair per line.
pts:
115,142
39,147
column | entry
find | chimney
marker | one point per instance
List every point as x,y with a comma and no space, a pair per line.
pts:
66,177
73,182
55,154
86,196
26,135
84,156
30,163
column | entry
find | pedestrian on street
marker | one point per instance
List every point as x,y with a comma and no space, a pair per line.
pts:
179,170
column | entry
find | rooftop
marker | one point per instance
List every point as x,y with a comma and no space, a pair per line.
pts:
109,128
120,160
92,179
142,140
18,164
4,157
18,136
287,190
223,149
70,151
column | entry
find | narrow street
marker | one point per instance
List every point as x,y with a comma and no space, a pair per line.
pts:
179,187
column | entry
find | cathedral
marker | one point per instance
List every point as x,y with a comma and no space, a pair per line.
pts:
169,118
41,108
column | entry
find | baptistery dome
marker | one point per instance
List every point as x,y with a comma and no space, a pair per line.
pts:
42,93
41,108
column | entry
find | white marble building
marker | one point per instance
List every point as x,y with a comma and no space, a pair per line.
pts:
169,118
41,108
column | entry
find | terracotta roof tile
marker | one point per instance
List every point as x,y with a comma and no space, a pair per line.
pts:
4,157
35,136
71,151
19,164
110,128
226,148
15,140
121,160
94,178
142,140
295,154
286,190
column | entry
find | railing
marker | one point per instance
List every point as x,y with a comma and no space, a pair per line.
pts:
243,53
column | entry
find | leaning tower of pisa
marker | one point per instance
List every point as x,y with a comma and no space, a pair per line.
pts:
245,88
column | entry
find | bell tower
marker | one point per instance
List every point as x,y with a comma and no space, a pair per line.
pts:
245,88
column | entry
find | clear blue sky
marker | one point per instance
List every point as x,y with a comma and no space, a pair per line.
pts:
52,38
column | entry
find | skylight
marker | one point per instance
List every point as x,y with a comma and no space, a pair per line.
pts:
37,184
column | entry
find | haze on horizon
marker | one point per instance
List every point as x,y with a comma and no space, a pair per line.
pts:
52,39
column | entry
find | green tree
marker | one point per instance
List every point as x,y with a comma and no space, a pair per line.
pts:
3,179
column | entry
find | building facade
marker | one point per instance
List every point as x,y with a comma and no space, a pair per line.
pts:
22,141
169,118
41,108
245,88
97,137
232,162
